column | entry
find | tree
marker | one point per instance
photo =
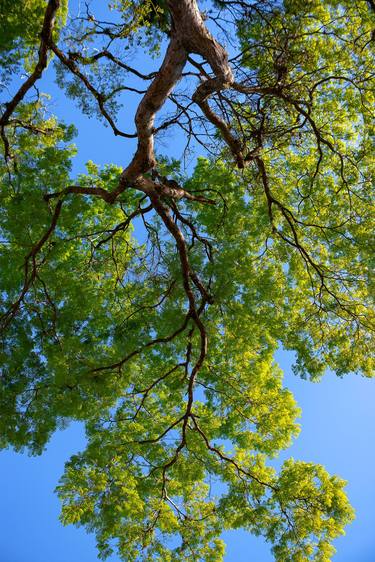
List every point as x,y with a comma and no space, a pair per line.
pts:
165,347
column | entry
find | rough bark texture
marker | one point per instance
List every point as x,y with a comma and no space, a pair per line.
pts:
188,35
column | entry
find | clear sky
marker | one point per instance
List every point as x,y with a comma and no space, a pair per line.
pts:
338,428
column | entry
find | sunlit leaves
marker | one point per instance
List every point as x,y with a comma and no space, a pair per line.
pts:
102,320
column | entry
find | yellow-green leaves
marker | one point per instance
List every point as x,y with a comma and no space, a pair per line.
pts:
21,23
151,308
317,510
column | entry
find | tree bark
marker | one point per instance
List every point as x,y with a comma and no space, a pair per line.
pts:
189,34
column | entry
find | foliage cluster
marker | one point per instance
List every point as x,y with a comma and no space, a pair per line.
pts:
161,339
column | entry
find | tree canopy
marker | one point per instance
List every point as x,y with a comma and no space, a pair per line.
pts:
148,301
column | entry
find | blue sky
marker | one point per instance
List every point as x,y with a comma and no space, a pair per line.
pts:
338,427
338,422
